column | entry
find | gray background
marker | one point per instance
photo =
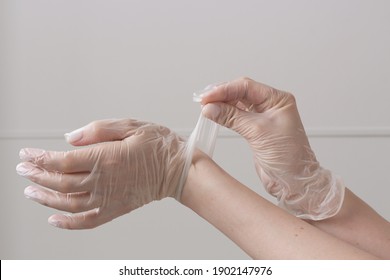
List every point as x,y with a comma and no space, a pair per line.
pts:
66,63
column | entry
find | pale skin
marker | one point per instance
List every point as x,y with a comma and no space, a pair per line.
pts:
359,225
260,228
257,226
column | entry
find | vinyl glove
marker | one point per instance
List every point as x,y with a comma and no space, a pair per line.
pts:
135,164
287,166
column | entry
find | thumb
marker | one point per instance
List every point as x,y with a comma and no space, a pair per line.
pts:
101,131
228,116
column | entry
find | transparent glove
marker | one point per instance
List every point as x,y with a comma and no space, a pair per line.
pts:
132,164
287,166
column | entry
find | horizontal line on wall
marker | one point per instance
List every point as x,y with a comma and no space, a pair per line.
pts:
349,132
321,132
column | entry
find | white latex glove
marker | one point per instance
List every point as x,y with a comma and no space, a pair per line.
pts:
134,163
269,120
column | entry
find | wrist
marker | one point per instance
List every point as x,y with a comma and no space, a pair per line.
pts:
197,173
191,158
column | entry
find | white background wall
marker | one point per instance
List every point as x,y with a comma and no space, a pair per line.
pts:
66,63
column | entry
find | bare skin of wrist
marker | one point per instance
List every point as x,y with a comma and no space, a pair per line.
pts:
261,229
358,224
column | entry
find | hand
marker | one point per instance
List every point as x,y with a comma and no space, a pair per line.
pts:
269,120
135,164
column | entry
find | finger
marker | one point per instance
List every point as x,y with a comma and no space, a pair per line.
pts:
72,202
246,91
231,117
81,160
85,220
103,131
62,182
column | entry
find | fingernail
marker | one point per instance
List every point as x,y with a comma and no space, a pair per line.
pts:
54,222
23,169
28,169
198,96
32,193
29,154
74,136
211,111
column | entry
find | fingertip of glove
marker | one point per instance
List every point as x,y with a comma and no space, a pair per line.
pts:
74,136
54,222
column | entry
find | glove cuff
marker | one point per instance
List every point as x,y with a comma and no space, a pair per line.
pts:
320,199
203,137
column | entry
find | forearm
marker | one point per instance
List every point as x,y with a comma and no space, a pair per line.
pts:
358,224
257,226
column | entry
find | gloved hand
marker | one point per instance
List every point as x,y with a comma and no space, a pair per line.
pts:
132,164
269,120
